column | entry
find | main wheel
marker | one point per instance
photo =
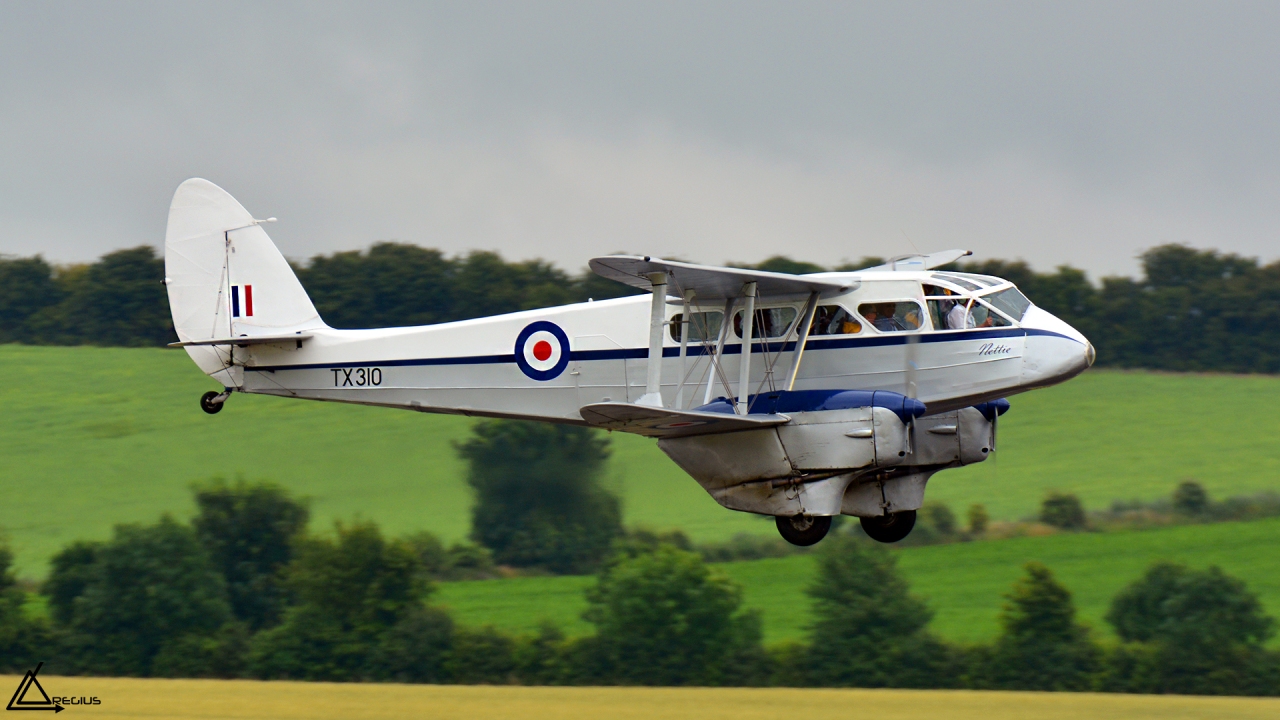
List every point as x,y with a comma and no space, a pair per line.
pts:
803,530
889,528
208,405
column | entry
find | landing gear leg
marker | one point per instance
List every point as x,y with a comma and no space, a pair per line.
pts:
211,402
889,528
803,530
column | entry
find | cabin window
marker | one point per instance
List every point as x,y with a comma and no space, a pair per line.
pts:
834,320
893,316
1010,302
703,326
768,322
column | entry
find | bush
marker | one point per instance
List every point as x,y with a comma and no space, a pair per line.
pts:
1062,510
350,593
459,561
1190,498
416,649
978,520
1204,630
940,518
128,605
1040,647
1194,608
664,618
248,530
22,639
482,657
542,659
744,546
539,503
868,630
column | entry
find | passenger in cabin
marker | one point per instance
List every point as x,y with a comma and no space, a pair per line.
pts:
891,316
834,320
910,318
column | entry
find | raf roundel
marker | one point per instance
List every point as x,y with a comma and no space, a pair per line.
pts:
542,350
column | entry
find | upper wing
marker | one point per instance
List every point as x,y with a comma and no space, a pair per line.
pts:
710,282
920,262
663,423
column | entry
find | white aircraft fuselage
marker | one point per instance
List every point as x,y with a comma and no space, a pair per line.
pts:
469,367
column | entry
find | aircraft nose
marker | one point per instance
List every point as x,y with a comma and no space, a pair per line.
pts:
1055,351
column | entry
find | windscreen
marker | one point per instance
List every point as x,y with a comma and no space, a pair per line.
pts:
1010,302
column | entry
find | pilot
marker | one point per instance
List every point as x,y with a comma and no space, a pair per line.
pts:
959,317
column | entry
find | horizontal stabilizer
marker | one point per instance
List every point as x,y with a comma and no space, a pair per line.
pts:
663,423
710,282
920,262
246,340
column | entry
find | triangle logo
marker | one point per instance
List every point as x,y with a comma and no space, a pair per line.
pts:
19,700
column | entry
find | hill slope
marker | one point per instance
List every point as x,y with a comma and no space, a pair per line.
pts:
91,437
963,583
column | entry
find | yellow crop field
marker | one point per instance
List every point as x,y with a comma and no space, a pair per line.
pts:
243,699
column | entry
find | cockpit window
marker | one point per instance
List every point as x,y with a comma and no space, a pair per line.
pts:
899,316
834,320
962,313
1010,302
702,326
768,322
984,318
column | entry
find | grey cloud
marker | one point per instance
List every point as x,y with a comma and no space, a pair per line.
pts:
1071,132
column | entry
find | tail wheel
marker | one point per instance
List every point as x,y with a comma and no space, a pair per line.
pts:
889,528
208,405
803,530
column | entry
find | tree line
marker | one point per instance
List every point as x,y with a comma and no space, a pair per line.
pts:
1191,310
244,590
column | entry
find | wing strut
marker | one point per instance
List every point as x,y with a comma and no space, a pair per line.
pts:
717,371
657,313
684,345
809,311
744,370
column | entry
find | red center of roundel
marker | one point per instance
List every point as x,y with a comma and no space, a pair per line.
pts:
542,350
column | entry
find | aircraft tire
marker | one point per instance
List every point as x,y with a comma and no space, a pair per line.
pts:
207,404
889,528
803,530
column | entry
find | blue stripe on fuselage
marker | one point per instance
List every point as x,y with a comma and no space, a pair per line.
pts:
814,343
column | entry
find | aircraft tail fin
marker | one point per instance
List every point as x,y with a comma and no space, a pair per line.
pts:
225,277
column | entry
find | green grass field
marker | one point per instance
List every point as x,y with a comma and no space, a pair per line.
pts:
135,699
963,583
91,437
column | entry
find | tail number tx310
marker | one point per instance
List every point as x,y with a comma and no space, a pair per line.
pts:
356,377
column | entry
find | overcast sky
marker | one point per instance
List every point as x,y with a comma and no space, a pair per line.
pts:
1058,133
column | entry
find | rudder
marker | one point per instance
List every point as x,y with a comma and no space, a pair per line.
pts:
225,277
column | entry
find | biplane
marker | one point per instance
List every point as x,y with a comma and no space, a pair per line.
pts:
801,397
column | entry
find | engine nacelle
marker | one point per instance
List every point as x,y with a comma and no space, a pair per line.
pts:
862,461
